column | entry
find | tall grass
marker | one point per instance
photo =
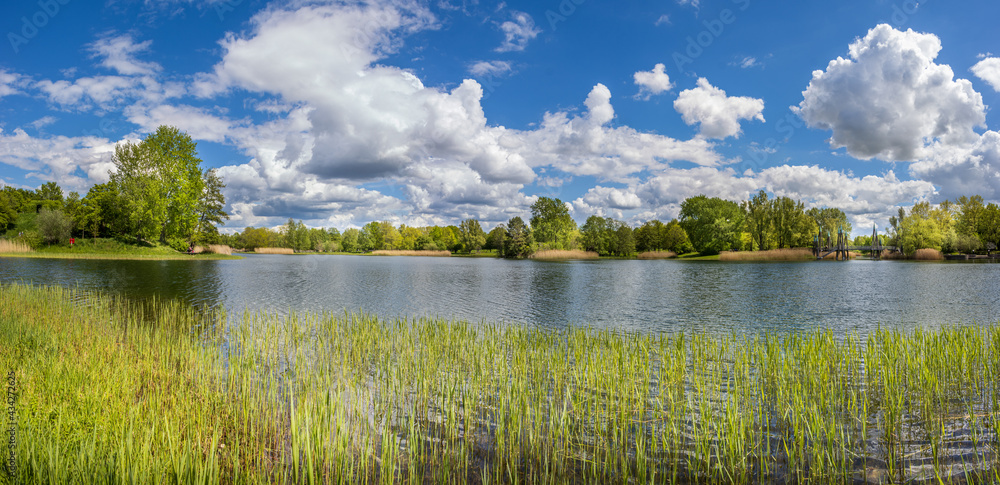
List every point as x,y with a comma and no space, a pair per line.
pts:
787,254
273,251
559,254
7,246
404,252
657,255
112,391
219,249
928,254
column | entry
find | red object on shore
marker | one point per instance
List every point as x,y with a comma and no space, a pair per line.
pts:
72,241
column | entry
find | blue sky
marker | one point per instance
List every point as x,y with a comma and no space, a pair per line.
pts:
340,113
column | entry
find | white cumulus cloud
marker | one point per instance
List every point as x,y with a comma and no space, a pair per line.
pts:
652,82
988,70
890,100
718,115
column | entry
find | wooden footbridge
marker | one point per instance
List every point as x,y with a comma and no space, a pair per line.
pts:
842,248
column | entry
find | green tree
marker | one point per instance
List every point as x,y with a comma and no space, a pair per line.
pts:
473,237
551,224
624,239
712,224
519,239
371,238
497,238
676,239
758,213
210,208
651,236
390,235
350,240
791,226
829,221
595,235
989,225
160,183
53,225
50,196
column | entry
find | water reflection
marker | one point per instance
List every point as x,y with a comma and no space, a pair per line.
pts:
630,295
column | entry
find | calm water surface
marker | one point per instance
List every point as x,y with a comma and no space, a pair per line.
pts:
632,295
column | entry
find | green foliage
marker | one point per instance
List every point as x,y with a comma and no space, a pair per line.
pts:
551,223
296,236
519,239
209,208
473,237
759,216
178,244
350,241
608,237
53,225
371,238
162,190
712,224
497,238
829,221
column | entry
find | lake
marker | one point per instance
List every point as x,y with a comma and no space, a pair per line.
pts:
634,295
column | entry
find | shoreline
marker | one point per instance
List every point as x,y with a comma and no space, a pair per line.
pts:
485,400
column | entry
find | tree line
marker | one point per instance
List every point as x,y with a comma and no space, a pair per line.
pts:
157,193
706,225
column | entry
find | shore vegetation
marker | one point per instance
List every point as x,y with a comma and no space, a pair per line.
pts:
111,390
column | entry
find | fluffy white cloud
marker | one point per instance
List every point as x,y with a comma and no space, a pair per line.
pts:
967,170
118,53
59,158
587,145
719,115
10,83
988,70
490,68
518,32
652,82
194,121
872,196
890,100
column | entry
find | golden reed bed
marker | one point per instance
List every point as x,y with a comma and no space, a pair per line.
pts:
551,254
13,247
408,252
273,251
657,255
788,254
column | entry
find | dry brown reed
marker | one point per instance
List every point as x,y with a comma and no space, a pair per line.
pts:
13,247
273,251
928,254
219,249
787,254
559,254
657,255
408,252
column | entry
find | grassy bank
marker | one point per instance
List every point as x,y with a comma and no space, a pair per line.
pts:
105,396
792,254
402,252
109,249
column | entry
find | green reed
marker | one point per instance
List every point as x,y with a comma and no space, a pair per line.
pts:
112,391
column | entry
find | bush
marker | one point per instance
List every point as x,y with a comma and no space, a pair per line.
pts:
32,238
53,225
178,244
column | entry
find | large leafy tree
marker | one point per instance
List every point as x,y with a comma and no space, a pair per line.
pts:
473,237
759,214
595,234
551,224
829,221
712,224
519,239
790,224
210,208
160,184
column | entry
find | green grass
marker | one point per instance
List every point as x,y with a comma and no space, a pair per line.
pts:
111,392
698,257
106,248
